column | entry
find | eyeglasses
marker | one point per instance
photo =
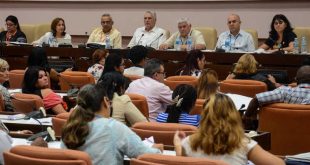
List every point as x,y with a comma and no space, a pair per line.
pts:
278,22
4,69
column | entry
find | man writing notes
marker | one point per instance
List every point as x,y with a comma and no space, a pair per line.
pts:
149,35
101,34
235,40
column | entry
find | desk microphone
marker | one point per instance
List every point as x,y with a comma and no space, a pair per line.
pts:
156,39
242,106
140,39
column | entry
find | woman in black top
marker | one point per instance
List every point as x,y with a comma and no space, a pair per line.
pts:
281,35
13,33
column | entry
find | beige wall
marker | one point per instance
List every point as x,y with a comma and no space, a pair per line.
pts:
81,17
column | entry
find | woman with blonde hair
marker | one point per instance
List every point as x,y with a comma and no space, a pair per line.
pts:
4,78
207,84
221,137
246,68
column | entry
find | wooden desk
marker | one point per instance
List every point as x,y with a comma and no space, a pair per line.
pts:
173,60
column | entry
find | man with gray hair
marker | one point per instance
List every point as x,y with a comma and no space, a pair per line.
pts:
189,38
150,35
100,34
157,94
235,40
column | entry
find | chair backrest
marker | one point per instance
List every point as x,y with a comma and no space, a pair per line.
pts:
41,29
209,35
16,78
303,32
167,33
142,162
26,103
28,29
198,107
133,77
69,79
140,102
243,87
173,81
32,155
176,160
59,121
254,34
289,127
162,132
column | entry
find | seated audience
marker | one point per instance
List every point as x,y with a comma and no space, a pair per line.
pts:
36,82
150,35
158,95
137,55
100,34
123,109
184,97
220,136
208,84
113,63
38,58
246,68
13,32
281,36
4,77
195,62
236,39
189,38
58,28
90,129
99,57
283,94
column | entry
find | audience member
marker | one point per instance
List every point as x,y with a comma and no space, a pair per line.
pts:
100,34
246,68
184,97
13,32
123,109
157,94
113,63
194,64
150,35
137,55
36,82
90,129
99,57
4,77
38,58
281,35
52,38
235,40
207,84
283,94
190,38
220,136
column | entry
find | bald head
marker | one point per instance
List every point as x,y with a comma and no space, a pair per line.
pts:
303,74
233,23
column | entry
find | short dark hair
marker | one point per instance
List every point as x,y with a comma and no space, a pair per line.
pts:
38,58
54,25
13,19
137,54
152,66
303,74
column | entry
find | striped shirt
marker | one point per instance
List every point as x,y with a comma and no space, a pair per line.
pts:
284,94
184,119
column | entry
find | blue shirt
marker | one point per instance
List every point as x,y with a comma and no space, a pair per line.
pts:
109,140
242,42
184,119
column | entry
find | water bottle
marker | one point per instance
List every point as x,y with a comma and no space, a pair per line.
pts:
227,45
178,44
296,48
189,43
303,45
107,42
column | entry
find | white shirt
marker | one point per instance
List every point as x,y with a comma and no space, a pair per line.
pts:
152,38
48,38
5,144
242,42
134,71
238,157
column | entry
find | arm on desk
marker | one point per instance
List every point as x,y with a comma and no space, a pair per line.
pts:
261,157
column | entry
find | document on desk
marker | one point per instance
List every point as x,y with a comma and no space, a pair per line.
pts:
239,100
21,141
45,121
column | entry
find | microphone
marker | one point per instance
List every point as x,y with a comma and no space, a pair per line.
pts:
140,39
49,135
242,106
156,39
